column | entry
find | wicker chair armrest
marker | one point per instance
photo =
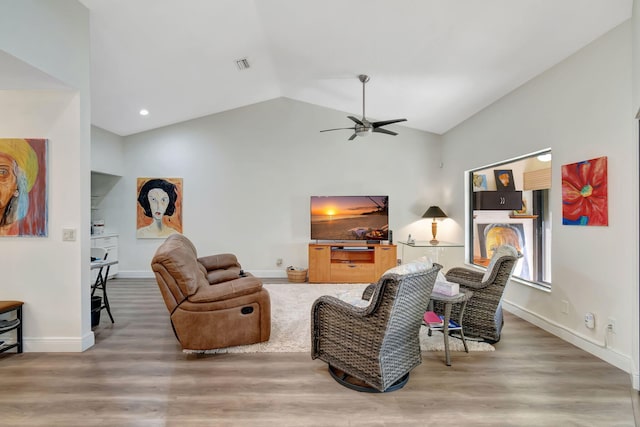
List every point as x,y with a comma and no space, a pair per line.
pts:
340,306
466,277
368,291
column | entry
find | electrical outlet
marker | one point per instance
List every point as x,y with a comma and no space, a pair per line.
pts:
589,320
565,307
279,262
611,325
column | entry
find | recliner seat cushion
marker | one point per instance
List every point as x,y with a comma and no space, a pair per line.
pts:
219,276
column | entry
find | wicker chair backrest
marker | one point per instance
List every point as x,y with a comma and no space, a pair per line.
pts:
503,251
408,304
399,302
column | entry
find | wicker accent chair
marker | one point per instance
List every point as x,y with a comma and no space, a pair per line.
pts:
374,347
483,314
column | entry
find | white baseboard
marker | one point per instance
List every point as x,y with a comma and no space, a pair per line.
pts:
149,274
135,275
272,274
609,355
58,344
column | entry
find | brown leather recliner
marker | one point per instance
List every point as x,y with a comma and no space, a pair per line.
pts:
211,305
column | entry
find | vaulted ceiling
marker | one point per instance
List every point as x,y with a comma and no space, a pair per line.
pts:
435,62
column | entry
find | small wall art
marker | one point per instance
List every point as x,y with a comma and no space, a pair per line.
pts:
479,182
504,179
585,193
159,208
23,187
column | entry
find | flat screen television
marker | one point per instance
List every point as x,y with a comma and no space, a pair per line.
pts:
350,218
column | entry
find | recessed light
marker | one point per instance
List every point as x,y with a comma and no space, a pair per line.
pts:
144,112
546,157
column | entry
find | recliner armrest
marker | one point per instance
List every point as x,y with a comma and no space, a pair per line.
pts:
219,261
227,290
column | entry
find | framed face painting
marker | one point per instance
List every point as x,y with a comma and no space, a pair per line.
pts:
23,187
159,208
504,179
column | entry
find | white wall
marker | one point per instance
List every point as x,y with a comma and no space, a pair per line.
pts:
107,152
635,108
581,109
248,174
49,275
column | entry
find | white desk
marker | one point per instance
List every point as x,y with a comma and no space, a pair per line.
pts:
101,283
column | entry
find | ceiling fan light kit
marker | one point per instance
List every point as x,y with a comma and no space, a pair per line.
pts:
363,127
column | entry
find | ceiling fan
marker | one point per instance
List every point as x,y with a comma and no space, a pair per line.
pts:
364,127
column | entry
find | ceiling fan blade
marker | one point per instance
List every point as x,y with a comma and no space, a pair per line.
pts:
327,130
386,122
353,137
388,132
358,121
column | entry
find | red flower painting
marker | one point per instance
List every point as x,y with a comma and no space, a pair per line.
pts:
584,193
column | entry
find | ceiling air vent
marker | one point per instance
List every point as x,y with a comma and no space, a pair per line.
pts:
242,64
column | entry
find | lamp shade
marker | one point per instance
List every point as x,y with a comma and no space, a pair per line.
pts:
434,212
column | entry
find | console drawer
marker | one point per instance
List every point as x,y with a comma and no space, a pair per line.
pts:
352,273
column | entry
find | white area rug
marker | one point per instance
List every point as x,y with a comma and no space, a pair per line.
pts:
291,325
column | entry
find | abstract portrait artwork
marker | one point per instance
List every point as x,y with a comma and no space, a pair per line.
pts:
504,179
492,236
584,193
479,182
159,207
23,187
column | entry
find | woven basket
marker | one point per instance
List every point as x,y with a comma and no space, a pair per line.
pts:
297,276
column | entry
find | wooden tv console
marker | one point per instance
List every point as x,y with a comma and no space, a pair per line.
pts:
349,262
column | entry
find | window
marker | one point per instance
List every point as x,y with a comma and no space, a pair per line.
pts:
510,204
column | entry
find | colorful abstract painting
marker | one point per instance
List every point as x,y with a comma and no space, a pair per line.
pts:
23,187
479,182
584,193
159,208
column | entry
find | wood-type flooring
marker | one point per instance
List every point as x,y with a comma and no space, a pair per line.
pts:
137,375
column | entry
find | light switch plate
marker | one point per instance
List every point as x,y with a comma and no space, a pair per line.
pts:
69,234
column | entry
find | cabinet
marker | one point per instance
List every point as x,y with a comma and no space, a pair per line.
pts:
7,307
109,242
497,200
349,262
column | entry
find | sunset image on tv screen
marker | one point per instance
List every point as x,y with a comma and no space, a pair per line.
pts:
349,217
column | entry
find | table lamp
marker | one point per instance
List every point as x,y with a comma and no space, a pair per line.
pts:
434,212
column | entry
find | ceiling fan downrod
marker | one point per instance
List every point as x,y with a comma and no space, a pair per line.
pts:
364,79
